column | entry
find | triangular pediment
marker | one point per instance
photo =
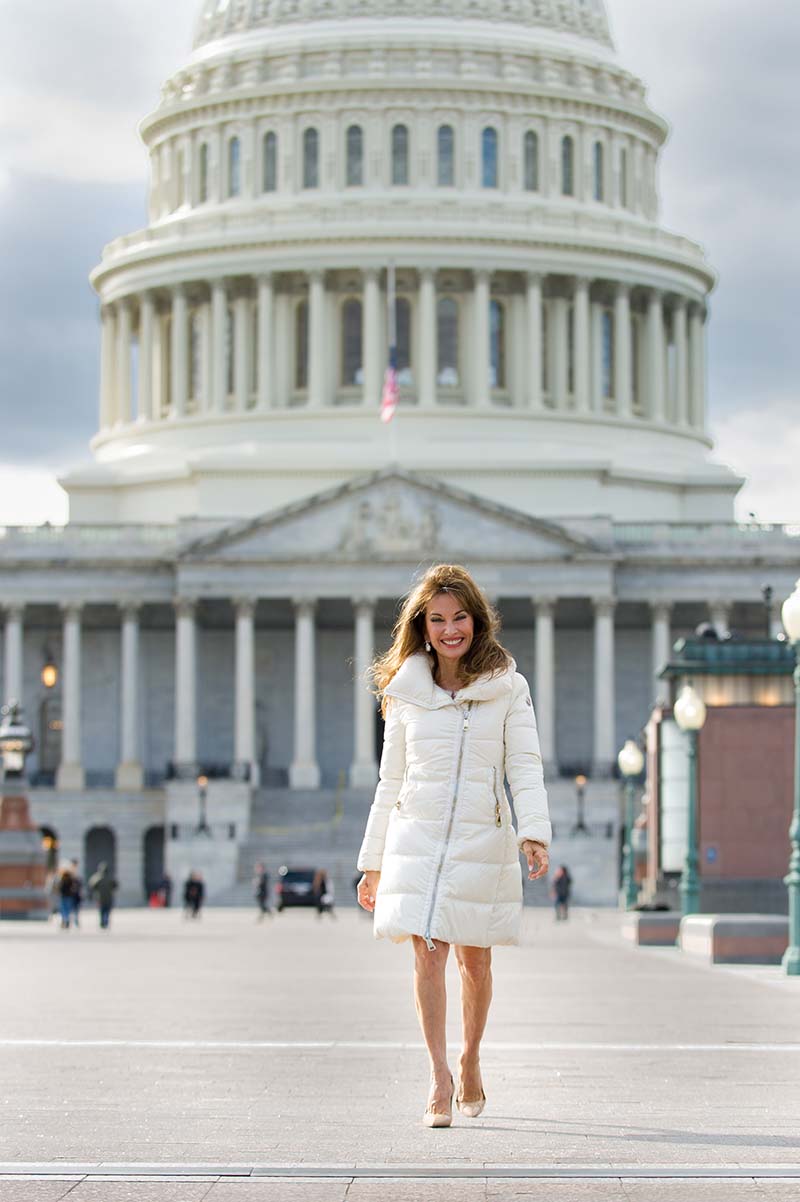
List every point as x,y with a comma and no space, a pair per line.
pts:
390,515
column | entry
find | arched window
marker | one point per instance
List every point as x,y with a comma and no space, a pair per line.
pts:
270,151
445,149
567,166
447,342
400,154
355,156
202,191
623,178
234,167
531,161
497,344
607,353
310,159
301,345
352,372
403,326
489,157
599,189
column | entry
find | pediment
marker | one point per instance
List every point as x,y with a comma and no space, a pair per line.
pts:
390,516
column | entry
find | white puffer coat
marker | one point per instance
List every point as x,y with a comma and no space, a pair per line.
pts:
440,829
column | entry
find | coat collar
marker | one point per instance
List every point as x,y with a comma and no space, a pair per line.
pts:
414,682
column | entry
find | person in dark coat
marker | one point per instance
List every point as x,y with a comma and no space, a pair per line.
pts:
560,891
65,887
77,892
261,890
103,886
165,889
193,894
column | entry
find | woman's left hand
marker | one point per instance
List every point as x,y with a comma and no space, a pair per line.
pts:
538,858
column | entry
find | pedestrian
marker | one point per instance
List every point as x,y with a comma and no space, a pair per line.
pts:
323,892
77,891
560,891
193,894
440,855
165,889
103,885
261,891
65,887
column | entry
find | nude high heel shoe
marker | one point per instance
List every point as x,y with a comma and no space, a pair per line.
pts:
431,1118
470,1109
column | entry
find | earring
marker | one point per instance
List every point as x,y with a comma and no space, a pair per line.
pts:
427,645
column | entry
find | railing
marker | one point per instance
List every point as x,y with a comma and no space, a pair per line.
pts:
88,536
687,532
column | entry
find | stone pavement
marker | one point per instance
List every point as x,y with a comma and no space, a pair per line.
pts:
236,1061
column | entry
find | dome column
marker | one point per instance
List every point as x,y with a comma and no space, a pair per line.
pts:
124,329
534,330
622,350
179,352
108,348
480,301
655,356
697,363
427,338
597,398
559,346
581,344
681,362
371,310
317,392
219,321
266,306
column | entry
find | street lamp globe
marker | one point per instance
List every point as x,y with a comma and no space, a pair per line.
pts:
15,740
689,709
790,615
630,759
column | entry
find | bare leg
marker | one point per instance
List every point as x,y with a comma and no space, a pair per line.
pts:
475,966
430,999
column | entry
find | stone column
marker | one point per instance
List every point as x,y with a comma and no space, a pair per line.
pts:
206,360
697,366
108,343
179,352
70,773
545,679
597,357
655,356
124,327
622,350
304,769
146,323
219,323
480,300
12,657
581,344
719,614
266,362
241,356
427,338
604,701
185,689
559,365
244,752
372,357
364,768
534,330
317,391
681,362
130,774
662,644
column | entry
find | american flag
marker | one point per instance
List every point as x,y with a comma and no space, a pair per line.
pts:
391,391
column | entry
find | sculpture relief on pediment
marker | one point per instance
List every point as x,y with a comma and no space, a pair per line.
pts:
386,527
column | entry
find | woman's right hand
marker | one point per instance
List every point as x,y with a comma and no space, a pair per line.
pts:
367,890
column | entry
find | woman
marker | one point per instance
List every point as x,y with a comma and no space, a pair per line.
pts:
440,854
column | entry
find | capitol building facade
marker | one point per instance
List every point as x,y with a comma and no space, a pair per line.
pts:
240,538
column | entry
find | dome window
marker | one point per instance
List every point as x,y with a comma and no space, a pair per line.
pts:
599,171
446,167
447,342
623,178
270,149
301,346
352,348
355,156
567,166
607,354
489,157
531,161
234,167
311,158
403,328
203,172
497,344
400,155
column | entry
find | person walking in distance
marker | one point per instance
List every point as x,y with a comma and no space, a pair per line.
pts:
77,892
323,892
440,854
193,894
261,890
103,886
66,895
560,890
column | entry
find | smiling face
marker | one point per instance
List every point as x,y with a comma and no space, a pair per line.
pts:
448,627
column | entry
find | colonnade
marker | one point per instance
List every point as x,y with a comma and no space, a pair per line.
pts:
304,770
574,345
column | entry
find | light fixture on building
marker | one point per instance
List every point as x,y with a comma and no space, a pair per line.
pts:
49,670
690,714
689,709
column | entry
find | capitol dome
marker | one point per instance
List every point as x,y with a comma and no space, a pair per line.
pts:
503,163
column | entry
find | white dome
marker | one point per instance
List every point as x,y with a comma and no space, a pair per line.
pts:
585,19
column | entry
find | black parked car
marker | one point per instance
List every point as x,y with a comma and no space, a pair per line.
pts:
295,887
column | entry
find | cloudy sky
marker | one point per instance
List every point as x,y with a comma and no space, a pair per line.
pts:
77,75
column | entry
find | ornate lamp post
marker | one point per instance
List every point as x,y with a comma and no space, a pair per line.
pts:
580,826
202,793
631,762
790,615
15,741
690,714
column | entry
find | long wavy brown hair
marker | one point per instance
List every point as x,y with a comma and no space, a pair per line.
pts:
485,653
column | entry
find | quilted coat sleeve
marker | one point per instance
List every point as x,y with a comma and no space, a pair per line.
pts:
392,771
523,767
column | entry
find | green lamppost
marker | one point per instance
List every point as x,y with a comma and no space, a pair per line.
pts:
631,762
790,615
690,714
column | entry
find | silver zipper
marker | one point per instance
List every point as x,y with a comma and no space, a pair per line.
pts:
402,786
464,727
498,821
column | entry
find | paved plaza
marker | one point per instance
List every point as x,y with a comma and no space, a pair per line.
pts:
235,1061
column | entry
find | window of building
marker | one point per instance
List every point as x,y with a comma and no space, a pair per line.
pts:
623,178
203,173
230,382
567,166
489,157
531,161
301,345
599,189
403,328
270,151
446,164
497,344
195,361
181,189
234,167
607,353
571,349
310,158
447,342
355,156
545,346
400,154
352,326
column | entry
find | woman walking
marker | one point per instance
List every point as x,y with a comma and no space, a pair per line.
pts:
440,855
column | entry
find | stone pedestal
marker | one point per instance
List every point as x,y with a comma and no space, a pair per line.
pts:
22,863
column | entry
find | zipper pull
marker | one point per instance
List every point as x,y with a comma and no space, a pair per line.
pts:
431,945
497,819
397,804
